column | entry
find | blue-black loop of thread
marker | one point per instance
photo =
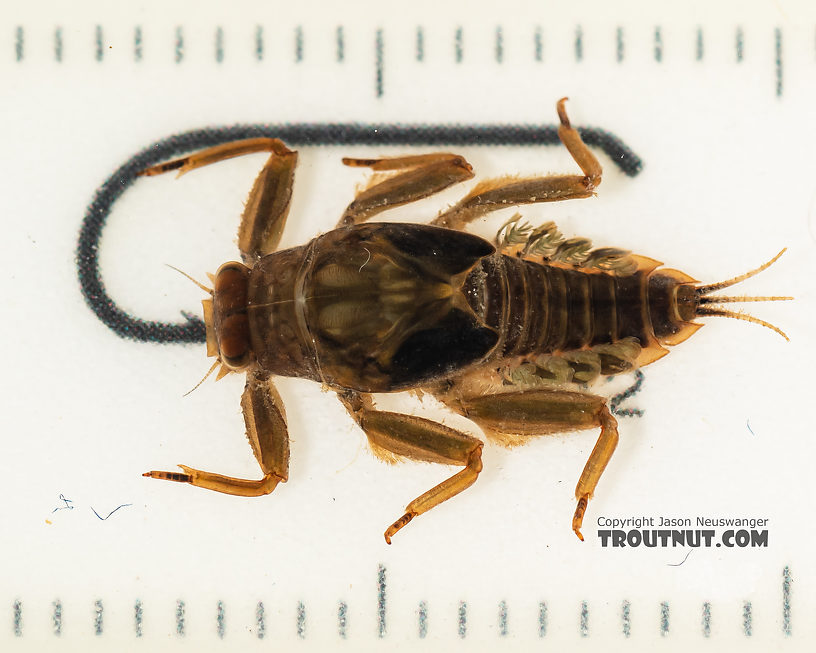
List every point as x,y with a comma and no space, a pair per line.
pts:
134,328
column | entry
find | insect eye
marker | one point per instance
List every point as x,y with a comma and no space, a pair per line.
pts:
233,341
230,314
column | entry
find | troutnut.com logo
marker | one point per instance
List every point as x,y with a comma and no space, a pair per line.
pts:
740,532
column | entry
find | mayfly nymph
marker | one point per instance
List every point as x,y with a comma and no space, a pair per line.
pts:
507,334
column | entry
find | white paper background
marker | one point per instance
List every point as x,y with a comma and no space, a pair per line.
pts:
728,181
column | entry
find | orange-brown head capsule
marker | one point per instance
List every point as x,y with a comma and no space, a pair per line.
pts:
226,317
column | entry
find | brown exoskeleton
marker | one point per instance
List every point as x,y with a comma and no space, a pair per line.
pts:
507,336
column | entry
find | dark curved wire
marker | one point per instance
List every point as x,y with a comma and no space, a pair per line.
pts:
192,330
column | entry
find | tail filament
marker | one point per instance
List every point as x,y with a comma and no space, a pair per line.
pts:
704,298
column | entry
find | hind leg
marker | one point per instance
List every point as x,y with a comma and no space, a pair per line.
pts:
496,194
514,416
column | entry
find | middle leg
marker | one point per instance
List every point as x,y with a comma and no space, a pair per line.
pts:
411,178
394,435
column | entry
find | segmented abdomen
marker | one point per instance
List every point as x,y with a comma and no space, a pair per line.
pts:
538,308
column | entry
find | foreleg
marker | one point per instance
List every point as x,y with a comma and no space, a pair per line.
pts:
267,206
267,434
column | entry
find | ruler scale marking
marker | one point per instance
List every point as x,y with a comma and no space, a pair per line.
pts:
583,624
18,618
658,45
137,43
99,52
706,622
137,618
260,619
626,619
300,620
747,619
778,60
340,46
219,44
422,620
179,45
19,43
664,619
58,44
381,601
342,620
259,42
98,617
420,49
747,616
786,601
740,45
180,608
579,44
379,46
56,618
220,619
299,44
